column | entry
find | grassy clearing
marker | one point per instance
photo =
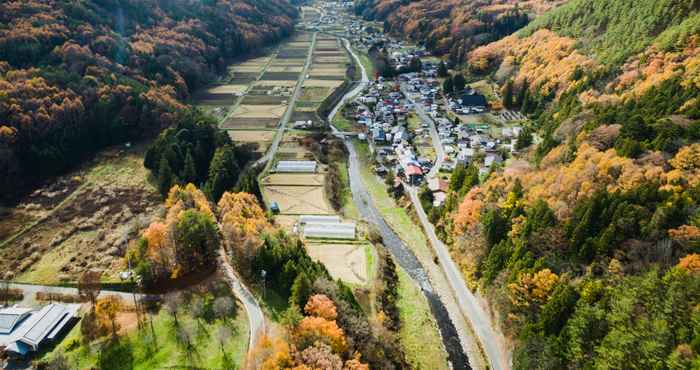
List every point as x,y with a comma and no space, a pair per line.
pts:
342,123
419,334
366,62
349,208
166,351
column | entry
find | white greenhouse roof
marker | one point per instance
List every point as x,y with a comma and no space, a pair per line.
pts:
296,166
330,231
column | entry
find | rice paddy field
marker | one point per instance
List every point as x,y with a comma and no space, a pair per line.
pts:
347,262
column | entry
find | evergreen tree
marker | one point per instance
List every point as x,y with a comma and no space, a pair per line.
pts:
301,290
457,178
448,86
165,177
223,173
189,174
442,70
459,83
508,95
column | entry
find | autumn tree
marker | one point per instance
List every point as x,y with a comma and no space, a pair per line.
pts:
321,306
89,285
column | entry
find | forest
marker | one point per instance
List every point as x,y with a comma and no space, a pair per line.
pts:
77,76
452,27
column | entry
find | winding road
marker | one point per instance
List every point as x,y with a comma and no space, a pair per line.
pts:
437,144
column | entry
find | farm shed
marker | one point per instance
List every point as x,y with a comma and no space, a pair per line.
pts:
296,166
330,231
24,330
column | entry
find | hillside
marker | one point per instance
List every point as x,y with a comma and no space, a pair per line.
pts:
586,243
76,76
453,27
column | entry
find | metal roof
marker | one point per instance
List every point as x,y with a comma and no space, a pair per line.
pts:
33,328
330,231
296,166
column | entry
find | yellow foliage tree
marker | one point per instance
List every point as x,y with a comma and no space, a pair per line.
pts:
312,329
322,306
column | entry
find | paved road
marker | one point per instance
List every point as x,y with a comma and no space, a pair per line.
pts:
290,108
401,252
492,342
256,317
354,92
437,144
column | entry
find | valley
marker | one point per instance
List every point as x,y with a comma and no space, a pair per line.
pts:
344,185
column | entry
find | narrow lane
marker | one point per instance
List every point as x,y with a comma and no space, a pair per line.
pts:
267,158
256,317
425,117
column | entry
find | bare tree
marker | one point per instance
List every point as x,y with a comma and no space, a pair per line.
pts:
89,285
223,334
172,303
224,307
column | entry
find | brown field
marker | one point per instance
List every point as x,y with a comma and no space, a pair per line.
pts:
295,69
249,123
227,89
273,83
280,76
314,93
322,83
264,100
299,200
251,136
346,262
328,70
80,221
247,69
260,111
298,62
286,222
292,179
321,59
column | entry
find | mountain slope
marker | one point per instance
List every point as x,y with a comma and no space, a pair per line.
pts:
588,243
453,26
76,76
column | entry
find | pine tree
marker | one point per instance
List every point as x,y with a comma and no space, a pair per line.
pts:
301,290
165,176
189,174
223,173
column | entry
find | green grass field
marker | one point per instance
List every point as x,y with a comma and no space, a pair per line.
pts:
419,334
166,351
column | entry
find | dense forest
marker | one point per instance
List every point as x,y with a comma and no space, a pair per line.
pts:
452,27
78,75
587,243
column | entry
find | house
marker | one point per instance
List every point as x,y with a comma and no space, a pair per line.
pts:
25,330
473,101
414,174
492,159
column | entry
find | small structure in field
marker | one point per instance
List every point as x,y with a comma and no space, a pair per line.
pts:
296,166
